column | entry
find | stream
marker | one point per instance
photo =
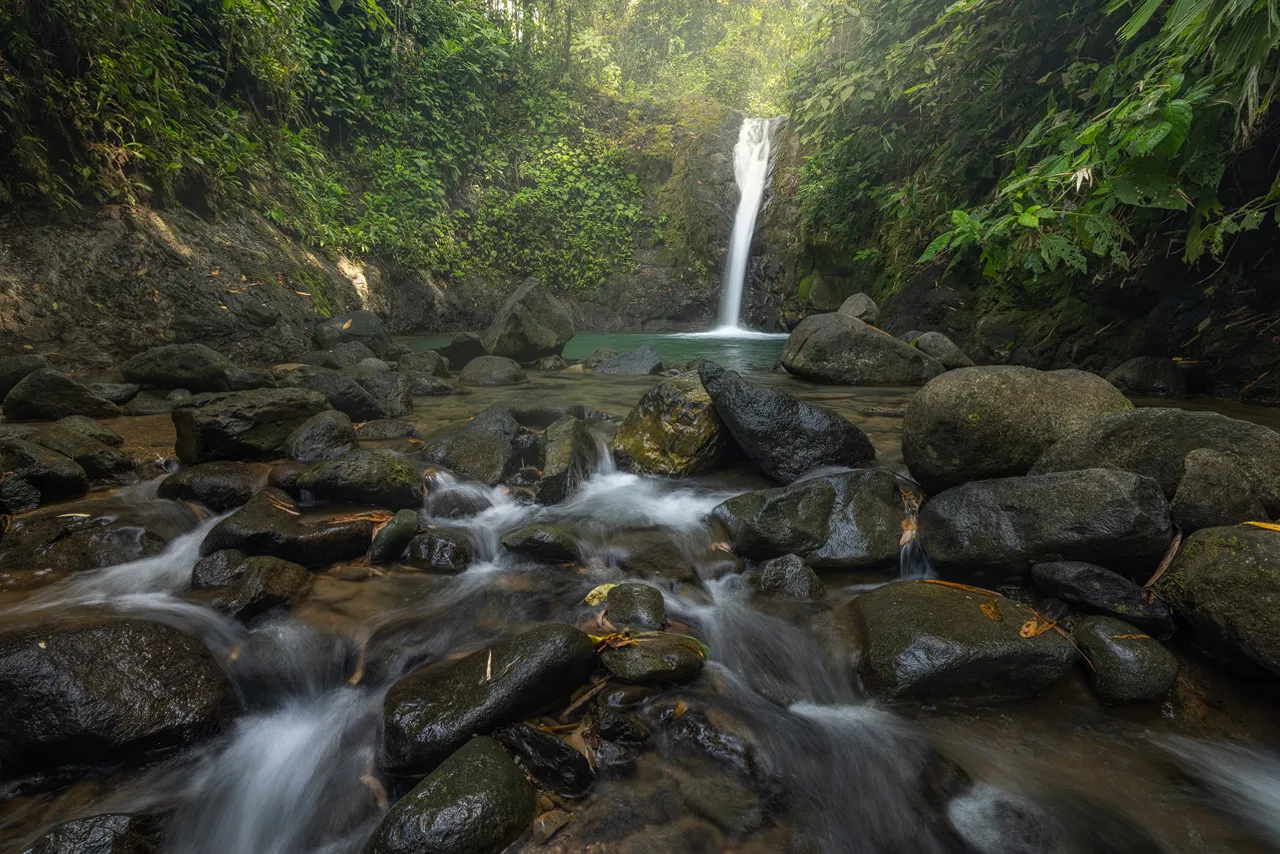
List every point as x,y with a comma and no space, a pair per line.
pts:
780,705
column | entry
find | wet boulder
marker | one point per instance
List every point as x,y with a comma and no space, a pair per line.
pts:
674,430
391,392
390,543
117,393
47,395
569,456
109,833
1155,442
434,710
784,436
17,496
375,478
943,349
324,436
14,369
95,430
352,354
654,658
542,541
931,642
101,462
477,802
268,525
862,307
996,421
1097,590
241,425
262,584
493,370
441,550
1128,665
994,529
220,569
344,394
220,486
484,448
597,357
247,379
362,326
851,520
551,761
791,577
57,541
426,362
642,361
530,324
146,403
1214,491
1149,376
54,476
836,348
191,366
461,349
386,428
106,690
637,606
1223,585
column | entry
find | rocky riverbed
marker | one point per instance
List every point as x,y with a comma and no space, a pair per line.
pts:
484,598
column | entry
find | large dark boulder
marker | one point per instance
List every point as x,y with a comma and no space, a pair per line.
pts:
44,545
220,486
14,369
427,362
392,392
100,461
655,658
389,544
861,307
851,520
194,367
477,802
996,421
484,448
344,394
636,606
241,425
836,348
324,436
268,525
784,436
1126,665
441,550
461,349
105,690
1149,376
544,541
931,641
493,370
47,395
372,477
1214,491
789,576
531,323
943,349
351,354
434,710
260,585
109,833
642,361
569,455
674,430
1156,441
598,356
998,528
363,327
117,393
1097,590
54,476
552,762
1224,585
87,426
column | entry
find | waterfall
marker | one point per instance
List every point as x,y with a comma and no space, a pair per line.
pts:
751,169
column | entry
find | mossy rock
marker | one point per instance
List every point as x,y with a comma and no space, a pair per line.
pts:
673,430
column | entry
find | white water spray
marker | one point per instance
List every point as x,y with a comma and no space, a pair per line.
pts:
751,168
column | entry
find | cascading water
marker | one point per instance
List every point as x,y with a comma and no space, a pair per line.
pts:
751,168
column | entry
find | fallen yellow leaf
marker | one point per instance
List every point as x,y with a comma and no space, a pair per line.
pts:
1266,526
598,594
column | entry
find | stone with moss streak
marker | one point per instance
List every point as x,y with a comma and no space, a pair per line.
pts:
837,348
673,430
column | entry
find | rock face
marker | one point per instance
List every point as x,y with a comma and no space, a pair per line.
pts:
943,349
1223,585
194,367
47,395
998,528
434,710
673,430
1156,441
1214,492
996,421
569,455
841,521
104,690
372,477
861,307
530,324
324,436
241,425
477,802
268,525
1096,590
484,448
641,361
219,486
930,641
836,348
363,327
1128,665
493,370
1149,376
110,833
781,434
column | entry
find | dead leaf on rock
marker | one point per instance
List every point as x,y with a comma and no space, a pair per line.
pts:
1266,526
992,609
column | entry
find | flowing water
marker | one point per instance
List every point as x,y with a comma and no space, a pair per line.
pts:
751,162
298,771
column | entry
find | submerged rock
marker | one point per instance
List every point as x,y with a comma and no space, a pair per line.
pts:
1000,528
1155,442
784,436
674,430
729,806
836,348
344,394
109,833
324,436
862,307
635,605
642,361
840,521
556,765
530,324
361,326
484,448
390,543
541,541
568,458
1096,590
191,366
441,550
47,395
996,421
1213,492
434,710
943,349
477,802
372,477
1149,376
241,425
654,658
268,525
1128,665
493,370
160,688
219,486
930,641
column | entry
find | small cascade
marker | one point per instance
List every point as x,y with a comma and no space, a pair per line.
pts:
751,159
